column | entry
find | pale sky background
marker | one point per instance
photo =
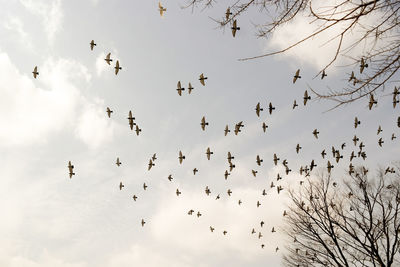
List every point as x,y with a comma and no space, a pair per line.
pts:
51,220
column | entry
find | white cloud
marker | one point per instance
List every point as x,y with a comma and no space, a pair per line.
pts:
13,23
50,13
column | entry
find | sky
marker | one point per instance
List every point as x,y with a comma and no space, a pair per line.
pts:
51,220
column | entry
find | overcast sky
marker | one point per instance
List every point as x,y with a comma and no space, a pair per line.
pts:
51,220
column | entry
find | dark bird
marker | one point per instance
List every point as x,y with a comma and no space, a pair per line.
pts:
179,89
275,159
151,164
296,76
202,79
258,160
356,122
230,157
279,188
352,77
295,104
315,133
343,146
154,157
254,173
190,88
226,174
108,59
355,140
393,137
70,169
109,111
190,212
181,157
35,72
143,222
229,192
379,130
372,101
118,162
270,108
92,45
170,178
203,123
306,97
298,147
137,130
209,153
380,142
363,65
117,67
121,185
130,120
208,191
330,166
144,186
226,131
258,109
258,204
178,192
134,197
264,126
194,171
312,165
227,13
234,28
212,229
323,153
323,74
161,9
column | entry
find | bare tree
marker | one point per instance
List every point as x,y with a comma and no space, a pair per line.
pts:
354,222
375,21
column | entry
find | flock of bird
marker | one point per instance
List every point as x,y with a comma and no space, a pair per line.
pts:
336,156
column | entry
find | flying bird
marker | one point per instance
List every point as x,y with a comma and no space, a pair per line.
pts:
170,178
70,169
306,97
226,174
226,131
264,126
258,109
180,89
144,186
92,45
202,79
181,157
298,147
178,192
143,222
137,130
195,170
254,173
323,74
151,164
134,197
227,13
118,162
203,123
190,88
108,59
295,104
363,65
130,119
372,101
109,111
270,108
315,133
121,185
117,67
296,76
258,160
161,9
234,28
209,153
275,159
35,72
356,122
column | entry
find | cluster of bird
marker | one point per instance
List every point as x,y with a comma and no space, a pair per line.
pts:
337,154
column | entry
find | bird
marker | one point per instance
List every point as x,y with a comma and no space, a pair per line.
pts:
144,186
154,157
209,153
130,120
234,28
315,133
363,65
121,185
229,192
217,197
226,174
181,157
380,142
295,104
108,59
203,123
355,140
298,147
35,72
212,229
178,192
259,235
137,130
356,122
70,169
393,137
398,121
264,193
134,197
254,173
264,126
272,185
379,130
117,67
208,191
224,232
330,166
306,97
226,131
92,45
270,108
372,101
118,162
231,166
195,170
198,214
285,162
180,89
258,204
278,177
352,156
312,165
258,160
109,111
151,164
284,213
239,202
296,76
190,212
258,109
279,188
170,178
273,230
230,157
202,79
161,9
395,101
190,88
143,222
262,245
227,13
323,74
352,77
275,159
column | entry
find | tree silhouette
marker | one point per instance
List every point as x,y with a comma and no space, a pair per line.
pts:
376,23
354,222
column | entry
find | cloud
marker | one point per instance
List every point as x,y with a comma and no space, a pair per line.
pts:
15,24
50,13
